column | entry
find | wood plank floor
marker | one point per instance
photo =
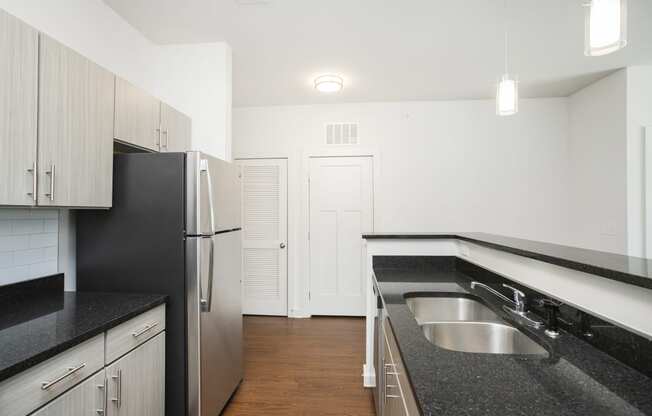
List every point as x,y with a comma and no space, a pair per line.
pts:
302,367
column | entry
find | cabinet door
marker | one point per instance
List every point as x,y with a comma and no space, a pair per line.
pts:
75,138
18,89
176,130
136,382
137,116
88,398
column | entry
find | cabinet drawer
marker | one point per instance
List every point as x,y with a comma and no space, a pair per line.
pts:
36,386
127,336
87,398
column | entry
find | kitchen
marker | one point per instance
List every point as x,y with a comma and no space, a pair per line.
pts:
236,206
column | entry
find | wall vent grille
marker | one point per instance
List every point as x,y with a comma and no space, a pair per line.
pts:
342,133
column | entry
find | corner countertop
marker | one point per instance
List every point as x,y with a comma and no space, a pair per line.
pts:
627,269
577,379
35,327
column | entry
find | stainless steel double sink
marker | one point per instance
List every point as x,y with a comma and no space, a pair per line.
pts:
466,325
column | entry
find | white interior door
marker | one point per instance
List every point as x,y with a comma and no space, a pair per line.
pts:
264,237
341,209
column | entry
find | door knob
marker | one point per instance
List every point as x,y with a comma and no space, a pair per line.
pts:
282,245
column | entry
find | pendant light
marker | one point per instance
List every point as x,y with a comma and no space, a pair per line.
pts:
605,26
507,92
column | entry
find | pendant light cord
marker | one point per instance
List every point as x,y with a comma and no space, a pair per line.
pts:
506,31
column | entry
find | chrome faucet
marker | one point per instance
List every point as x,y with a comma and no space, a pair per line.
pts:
492,290
519,299
518,302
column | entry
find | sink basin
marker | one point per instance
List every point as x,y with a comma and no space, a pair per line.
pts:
442,309
482,337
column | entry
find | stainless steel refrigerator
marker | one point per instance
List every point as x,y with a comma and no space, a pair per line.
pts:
174,229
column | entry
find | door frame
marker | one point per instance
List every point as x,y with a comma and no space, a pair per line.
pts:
303,297
288,239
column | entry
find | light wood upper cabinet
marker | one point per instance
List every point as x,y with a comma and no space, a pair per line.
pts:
176,130
137,116
18,104
88,398
136,382
75,138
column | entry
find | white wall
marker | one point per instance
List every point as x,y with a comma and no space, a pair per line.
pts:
598,164
639,116
607,130
443,166
195,79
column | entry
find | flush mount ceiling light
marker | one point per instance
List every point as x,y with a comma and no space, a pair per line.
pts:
329,83
605,26
507,92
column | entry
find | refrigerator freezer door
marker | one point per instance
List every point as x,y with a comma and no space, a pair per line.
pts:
213,189
215,326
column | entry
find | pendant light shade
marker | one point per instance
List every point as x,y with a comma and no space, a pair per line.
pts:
507,96
605,25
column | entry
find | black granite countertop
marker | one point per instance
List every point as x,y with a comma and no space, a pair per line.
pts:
36,325
627,269
577,379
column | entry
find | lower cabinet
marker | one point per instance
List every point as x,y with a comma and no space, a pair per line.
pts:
396,397
117,373
136,382
88,398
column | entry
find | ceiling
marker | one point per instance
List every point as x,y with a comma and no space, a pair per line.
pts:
391,50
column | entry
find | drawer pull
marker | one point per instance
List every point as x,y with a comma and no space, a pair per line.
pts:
71,370
145,329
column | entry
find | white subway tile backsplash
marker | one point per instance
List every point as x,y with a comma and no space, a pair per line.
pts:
43,269
5,227
43,240
51,225
51,253
15,213
14,242
6,259
27,257
28,244
30,226
15,274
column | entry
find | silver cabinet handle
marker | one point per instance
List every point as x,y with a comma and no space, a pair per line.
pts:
32,170
52,174
71,370
102,388
158,138
145,329
118,379
206,301
167,139
390,373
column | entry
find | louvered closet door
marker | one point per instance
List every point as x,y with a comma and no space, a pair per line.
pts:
264,224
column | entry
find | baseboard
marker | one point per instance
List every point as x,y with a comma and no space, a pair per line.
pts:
368,376
298,314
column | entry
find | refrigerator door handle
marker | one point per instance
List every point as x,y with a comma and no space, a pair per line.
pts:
206,301
204,168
